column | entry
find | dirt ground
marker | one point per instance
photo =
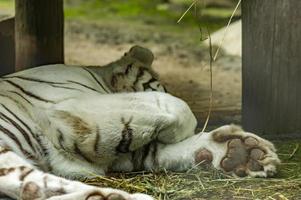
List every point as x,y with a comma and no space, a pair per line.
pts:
182,66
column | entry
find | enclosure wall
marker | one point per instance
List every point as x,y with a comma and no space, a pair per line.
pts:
39,32
271,73
7,46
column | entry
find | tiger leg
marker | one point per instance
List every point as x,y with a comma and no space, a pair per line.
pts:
228,148
20,180
88,138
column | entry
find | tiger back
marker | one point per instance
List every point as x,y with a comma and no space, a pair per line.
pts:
26,93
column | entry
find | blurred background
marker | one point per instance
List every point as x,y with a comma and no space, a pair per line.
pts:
100,31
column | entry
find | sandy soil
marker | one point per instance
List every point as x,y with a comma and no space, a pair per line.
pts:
184,69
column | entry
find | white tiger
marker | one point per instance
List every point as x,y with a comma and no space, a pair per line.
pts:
64,121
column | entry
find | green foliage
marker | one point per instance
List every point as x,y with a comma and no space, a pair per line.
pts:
133,9
151,12
6,4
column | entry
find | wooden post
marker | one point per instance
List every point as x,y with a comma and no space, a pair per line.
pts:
39,31
271,74
7,46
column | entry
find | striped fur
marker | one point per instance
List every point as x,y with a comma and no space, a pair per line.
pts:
27,114
74,121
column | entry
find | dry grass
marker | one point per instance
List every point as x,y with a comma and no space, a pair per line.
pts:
211,184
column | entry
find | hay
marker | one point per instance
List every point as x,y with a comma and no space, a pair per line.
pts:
200,184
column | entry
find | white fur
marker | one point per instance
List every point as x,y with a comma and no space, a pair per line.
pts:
103,127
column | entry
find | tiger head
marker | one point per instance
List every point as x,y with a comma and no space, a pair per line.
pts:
133,72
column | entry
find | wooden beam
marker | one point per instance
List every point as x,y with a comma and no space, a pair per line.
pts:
271,73
39,32
7,46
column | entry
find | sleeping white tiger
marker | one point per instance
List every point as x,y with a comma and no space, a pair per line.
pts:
60,122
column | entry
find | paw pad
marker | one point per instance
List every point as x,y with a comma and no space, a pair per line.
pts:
95,198
235,157
115,197
257,154
204,157
240,171
251,142
254,165
243,155
31,191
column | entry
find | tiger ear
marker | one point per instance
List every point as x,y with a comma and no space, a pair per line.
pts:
142,54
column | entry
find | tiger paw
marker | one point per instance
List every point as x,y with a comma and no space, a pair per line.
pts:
56,188
102,194
239,153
